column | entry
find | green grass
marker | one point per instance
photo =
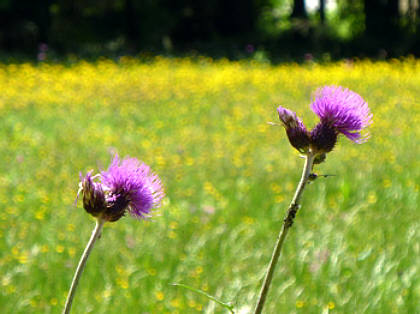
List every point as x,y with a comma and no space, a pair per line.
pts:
355,244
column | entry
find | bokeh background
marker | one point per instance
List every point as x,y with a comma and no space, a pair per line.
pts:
188,87
275,29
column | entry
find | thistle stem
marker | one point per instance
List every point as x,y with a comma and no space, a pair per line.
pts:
287,223
82,263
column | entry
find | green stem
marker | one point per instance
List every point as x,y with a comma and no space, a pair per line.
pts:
210,297
95,235
287,223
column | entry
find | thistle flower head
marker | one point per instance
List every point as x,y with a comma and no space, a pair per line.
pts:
295,129
127,185
340,111
343,111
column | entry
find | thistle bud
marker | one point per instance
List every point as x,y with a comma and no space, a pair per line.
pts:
295,129
93,196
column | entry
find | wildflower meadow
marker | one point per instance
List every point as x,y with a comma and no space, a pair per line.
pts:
228,177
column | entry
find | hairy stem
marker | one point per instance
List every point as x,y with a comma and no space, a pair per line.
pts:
287,223
82,263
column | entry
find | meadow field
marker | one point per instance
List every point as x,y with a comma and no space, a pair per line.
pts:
229,177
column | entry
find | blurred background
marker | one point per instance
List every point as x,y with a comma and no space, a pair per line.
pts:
187,87
276,30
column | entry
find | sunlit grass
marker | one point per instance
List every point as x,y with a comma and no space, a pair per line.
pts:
229,176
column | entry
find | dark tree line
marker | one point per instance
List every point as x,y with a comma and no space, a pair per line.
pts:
131,26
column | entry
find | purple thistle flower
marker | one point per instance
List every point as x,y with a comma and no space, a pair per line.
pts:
127,185
295,129
341,111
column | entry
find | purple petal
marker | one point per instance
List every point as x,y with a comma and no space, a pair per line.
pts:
344,110
134,181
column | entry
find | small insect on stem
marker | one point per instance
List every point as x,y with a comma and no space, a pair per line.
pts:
314,176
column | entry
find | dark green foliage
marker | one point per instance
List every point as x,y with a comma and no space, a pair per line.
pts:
235,29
